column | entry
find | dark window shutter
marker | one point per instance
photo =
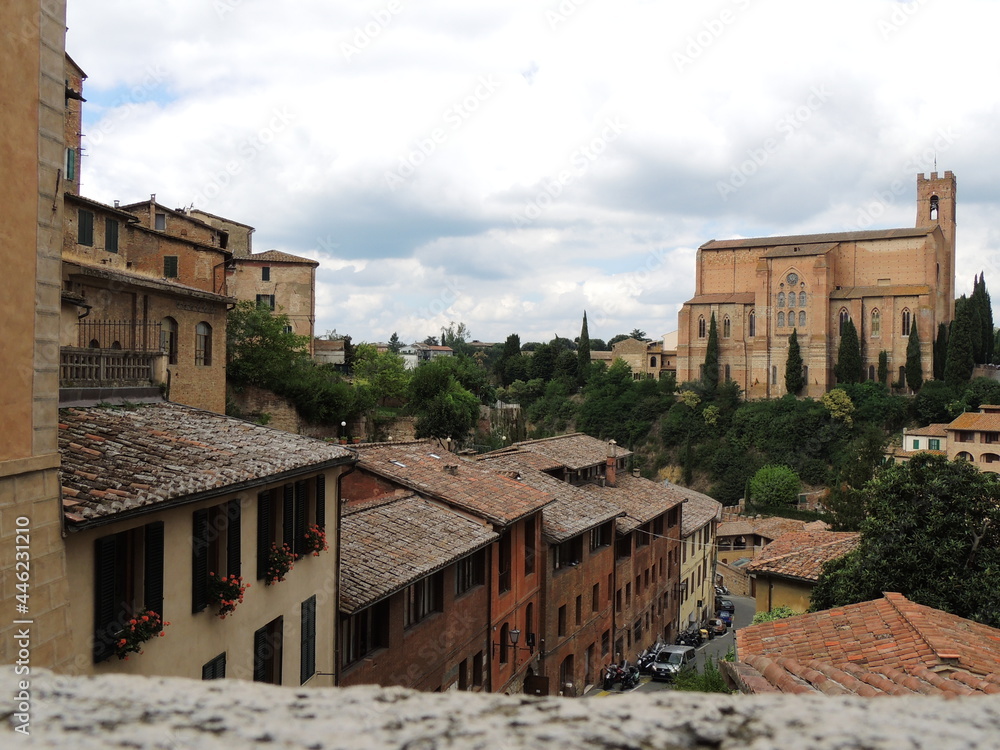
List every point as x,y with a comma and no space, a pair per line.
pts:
105,604
215,669
261,647
308,646
288,517
199,561
263,533
321,500
300,518
153,583
234,537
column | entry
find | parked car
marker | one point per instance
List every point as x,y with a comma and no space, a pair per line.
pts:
725,604
726,617
672,660
716,627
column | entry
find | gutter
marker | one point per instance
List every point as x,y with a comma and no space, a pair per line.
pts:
336,570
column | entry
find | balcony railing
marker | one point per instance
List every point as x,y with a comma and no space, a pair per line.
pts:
130,335
107,367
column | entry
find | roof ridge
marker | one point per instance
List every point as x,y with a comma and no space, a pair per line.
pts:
944,648
824,545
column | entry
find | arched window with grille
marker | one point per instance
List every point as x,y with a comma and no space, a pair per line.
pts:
701,327
727,328
781,320
905,321
752,323
844,317
781,299
791,299
802,299
876,325
203,344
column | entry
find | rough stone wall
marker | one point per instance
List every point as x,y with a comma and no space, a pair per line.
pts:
128,712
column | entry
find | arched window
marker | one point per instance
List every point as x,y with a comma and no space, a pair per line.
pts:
791,299
727,328
934,208
116,345
781,299
95,344
752,323
844,317
203,344
876,325
701,327
652,362
728,374
902,375
802,299
802,318
871,372
905,320
781,320
168,339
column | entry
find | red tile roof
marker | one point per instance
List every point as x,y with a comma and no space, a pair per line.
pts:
931,430
808,239
887,646
428,469
642,500
574,451
801,554
970,420
276,256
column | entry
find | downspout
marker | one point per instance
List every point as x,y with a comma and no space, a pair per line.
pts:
336,575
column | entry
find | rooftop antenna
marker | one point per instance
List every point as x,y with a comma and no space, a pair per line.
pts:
935,161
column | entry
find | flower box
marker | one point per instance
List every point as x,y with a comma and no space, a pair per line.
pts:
226,592
145,625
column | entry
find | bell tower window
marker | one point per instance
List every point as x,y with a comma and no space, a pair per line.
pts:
934,208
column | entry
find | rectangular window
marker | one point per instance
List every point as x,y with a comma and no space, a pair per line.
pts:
916,444
70,164
85,227
267,650
658,525
215,549
628,594
161,222
266,300
934,444
529,546
463,674
600,536
128,577
642,536
470,572
422,599
618,600
170,266
214,669
605,642
624,547
595,598
569,553
307,645
265,273
364,632
562,620
579,610
478,663
203,345
503,562
111,235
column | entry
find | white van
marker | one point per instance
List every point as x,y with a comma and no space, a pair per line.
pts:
671,660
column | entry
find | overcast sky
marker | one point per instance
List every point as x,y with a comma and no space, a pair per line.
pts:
510,164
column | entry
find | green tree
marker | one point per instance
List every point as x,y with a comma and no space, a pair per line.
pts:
710,374
840,405
930,406
511,350
960,362
259,346
583,352
914,367
456,335
443,407
385,374
848,368
857,464
793,365
774,487
986,318
395,345
932,533
940,351
637,334
778,613
883,367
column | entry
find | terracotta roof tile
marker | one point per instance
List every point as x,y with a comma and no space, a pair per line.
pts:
574,451
276,256
931,430
118,459
988,422
828,237
802,554
642,500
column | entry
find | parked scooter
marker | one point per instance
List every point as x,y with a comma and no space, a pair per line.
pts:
610,676
629,676
690,638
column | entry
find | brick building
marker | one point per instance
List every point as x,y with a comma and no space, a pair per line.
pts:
761,289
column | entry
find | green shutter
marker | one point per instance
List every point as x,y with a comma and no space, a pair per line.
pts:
199,561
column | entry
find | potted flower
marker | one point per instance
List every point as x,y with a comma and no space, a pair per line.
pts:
139,629
280,561
315,540
226,592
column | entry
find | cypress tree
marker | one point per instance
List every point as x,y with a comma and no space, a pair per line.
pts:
793,365
959,364
883,367
583,353
914,369
848,368
940,351
986,318
711,374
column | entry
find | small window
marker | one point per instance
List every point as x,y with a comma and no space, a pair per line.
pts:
562,621
774,374
307,636
267,648
876,325
802,318
161,222
265,300
265,273
214,669
701,327
791,299
752,324
70,164
802,299
905,320
529,546
934,444
111,235
727,328
470,572
934,208
203,344
168,339
781,299
844,317
781,320
916,444
85,228
422,599
170,266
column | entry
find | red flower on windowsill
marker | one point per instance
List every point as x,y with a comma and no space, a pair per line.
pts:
315,540
145,625
226,592
281,560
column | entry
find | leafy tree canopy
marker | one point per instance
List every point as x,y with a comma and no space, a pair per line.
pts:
259,346
774,487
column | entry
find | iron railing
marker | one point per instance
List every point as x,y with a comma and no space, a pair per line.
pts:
89,367
134,335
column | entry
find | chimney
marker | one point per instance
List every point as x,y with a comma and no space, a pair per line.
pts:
610,469
450,469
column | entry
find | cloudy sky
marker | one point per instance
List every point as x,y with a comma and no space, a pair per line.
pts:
511,163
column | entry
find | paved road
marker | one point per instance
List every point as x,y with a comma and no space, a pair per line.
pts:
715,648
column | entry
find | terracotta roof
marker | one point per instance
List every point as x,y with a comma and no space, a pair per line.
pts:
574,451
519,457
574,511
698,509
642,500
276,256
122,459
802,554
853,292
887,646
737,298
810,239
140,279
972,420
770,528
426,468
390,544
931,430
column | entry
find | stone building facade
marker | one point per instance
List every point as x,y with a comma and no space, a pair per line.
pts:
761,289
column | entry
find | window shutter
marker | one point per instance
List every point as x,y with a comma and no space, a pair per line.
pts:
105,605
199,561
321,500
300,518
308,635
260,653
153,583
215,669
288,517
234,537
263,533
